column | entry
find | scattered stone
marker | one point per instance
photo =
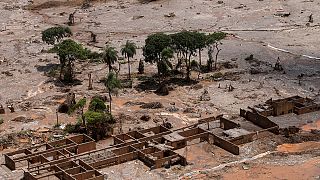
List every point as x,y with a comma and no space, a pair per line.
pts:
189,110
11,108
2,110
278,66
167,124
163,90
205,96
245,167
315,131
255,71
311,18
282,13
197,86
137,17
145,117
229,65
249,58
68,103
194,115
172,109
170,15
152,105
230,88
241,6
7,73
131,103
23,119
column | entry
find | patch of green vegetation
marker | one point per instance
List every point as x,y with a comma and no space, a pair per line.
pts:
80,104
55,34
96,105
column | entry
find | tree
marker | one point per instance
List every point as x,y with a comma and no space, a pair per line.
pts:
110,56
213,42
141,67
80,105
69,50
97,105
112,83
55,34
129,50
200,43
186,43
98,123
153,49
165,65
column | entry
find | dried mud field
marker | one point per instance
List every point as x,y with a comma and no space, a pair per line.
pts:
253,26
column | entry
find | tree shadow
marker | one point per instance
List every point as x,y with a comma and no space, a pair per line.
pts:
181,81
148,83
52,71
47,68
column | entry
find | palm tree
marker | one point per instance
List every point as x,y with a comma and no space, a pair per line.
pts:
129,50
110,56
112,83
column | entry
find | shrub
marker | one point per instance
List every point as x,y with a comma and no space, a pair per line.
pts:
70,128
98,123
97,104
55,34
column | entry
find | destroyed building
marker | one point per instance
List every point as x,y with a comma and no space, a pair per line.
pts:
77,157
294,104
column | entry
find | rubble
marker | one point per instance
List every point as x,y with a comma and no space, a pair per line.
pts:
205,96
163,90
23,119
152,105
145,117
68,103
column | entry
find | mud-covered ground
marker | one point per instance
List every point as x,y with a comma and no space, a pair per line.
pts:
253,26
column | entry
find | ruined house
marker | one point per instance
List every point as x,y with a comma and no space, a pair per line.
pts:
294,104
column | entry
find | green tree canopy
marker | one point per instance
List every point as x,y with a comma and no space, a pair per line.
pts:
55,34
110,56
215,37
157,50
98,123
187,43
97,105
201,43
68,51
213,42
154,45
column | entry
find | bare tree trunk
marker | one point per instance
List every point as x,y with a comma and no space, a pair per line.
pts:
110,99
200,57
83,119
217,53
129,68
110,67
90,81
188,67
159,75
